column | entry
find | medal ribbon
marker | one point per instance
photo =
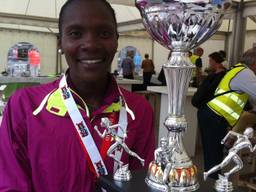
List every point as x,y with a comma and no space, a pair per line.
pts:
94,158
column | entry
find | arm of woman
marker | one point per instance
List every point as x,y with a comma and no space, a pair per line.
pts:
15,174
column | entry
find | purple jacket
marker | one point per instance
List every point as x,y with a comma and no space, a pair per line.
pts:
43,152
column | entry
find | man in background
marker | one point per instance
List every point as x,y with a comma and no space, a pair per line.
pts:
128,66
148,69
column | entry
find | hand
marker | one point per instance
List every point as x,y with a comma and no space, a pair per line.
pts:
253,141
96,128
229,142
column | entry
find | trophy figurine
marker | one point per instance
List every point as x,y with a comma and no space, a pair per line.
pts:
179,25
122,173
2,98
243,141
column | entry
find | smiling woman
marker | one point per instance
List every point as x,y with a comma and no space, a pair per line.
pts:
48,139
89,42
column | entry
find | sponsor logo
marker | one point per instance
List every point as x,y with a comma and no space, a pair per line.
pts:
100,168
82,129
65,93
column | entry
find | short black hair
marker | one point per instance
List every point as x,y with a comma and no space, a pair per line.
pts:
146,55
68,2
216,56
223,54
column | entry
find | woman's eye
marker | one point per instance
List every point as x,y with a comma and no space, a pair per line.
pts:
106,34
75,34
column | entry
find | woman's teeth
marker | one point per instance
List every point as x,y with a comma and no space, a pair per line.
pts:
91,61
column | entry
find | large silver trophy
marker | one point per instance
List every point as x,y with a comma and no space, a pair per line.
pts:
179,25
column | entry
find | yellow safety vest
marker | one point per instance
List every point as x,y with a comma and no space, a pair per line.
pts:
193,59
231,104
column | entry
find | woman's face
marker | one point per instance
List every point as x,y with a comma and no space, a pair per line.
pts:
88,40
212,63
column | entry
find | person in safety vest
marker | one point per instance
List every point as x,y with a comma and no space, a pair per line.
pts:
197,61
225,109
47,138
247,119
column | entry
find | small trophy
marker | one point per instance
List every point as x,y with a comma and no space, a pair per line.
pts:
2,102
243,141
122,173
179,25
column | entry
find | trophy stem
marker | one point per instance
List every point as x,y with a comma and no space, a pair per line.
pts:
172,169
178,71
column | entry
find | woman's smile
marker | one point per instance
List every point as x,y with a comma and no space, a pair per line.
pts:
91,64
90,61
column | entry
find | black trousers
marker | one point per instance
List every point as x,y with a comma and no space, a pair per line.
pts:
213,129
128,76
147,78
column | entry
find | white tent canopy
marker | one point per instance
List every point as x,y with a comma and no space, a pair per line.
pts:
51,8
42,16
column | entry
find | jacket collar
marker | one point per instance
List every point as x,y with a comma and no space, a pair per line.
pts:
110,103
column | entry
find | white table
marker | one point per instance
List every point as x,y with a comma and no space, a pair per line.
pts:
40,79
127,83
190,136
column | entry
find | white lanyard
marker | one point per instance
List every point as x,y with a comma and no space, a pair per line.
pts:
82,129
84,132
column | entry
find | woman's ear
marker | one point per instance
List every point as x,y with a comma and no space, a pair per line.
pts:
60,51
59,45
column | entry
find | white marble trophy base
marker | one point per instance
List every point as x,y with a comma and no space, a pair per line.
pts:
223,185
123,173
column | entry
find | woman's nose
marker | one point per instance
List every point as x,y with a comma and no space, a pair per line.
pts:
90,41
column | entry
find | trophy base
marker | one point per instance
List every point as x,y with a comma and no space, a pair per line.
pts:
165,188
158,186
123,174
180,179
189,188
223,185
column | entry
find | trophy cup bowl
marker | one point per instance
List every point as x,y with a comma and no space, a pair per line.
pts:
179,25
